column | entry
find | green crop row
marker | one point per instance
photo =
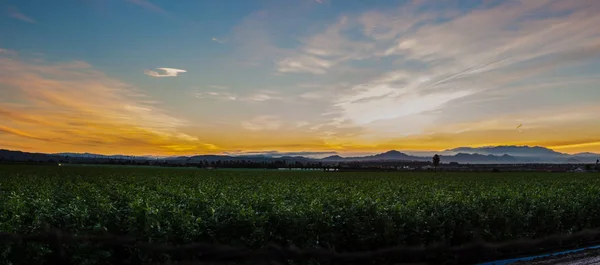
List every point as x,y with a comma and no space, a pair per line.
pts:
341,211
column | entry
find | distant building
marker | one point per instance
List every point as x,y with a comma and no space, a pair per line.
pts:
580,170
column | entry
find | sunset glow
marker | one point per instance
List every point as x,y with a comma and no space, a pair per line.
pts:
151,77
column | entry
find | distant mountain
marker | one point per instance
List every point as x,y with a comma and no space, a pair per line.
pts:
491,155
333,158
97,156
392,155
512,150
478,158
399,156
587,154
586,157
530,154
200,158
253,158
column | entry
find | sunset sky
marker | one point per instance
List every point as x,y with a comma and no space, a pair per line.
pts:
166,77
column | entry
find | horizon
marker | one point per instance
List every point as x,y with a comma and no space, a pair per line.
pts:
319,77
320,155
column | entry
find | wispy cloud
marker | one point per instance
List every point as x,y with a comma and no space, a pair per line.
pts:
302,123
263,96
15,13
148,5
167,72
254,41
326,50
7,52
218,40
223,94
304,64
263,123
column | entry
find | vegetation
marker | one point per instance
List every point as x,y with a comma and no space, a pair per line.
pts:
343,211
436,161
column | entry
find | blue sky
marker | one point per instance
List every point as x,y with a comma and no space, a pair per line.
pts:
171,77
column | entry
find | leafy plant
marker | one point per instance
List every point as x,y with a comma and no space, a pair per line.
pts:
342,211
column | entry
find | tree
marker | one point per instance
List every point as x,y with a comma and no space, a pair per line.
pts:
436,161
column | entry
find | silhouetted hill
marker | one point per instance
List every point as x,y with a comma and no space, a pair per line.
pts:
512,150
10,155
393,155
97,156
482,155
586,154
333,158
478,158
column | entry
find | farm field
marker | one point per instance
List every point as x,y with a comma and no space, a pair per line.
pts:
341,211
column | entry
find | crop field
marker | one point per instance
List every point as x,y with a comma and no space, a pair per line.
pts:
341,211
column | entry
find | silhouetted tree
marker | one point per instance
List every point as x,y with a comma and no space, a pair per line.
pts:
436,161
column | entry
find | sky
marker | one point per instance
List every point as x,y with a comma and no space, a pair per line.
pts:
312,77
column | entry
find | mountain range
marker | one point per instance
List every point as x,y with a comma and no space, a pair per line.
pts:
475,155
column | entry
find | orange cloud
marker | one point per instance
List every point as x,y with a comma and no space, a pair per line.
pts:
54,107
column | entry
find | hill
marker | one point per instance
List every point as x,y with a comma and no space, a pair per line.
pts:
475,155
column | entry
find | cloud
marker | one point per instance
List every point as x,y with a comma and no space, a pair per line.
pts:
262,123
304,64
19,133
15,13
218,40
263,96
168,72
217,94
571,129
415,76
253,39
420,70
302,123
312,95
491,53
148,5
259,96
7,52
79,108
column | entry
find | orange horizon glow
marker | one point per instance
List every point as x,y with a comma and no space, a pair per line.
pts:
50,115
